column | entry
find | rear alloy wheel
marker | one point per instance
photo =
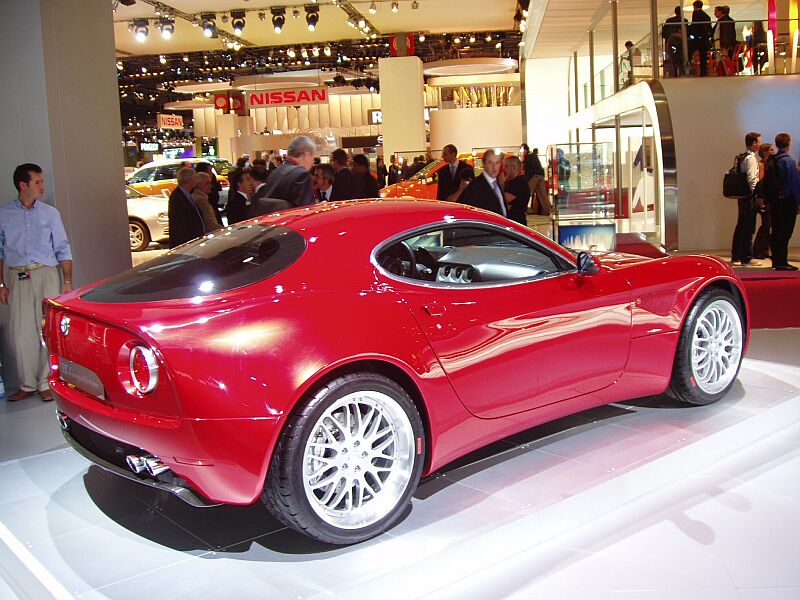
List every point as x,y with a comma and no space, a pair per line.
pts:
348,460
140,236
710,349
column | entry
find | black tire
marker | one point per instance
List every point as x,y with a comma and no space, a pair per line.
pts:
139,234
315,438
710,349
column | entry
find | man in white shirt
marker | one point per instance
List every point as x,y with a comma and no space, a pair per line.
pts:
742,246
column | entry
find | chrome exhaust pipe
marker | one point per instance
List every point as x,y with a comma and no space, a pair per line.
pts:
136,463
154,465
63,420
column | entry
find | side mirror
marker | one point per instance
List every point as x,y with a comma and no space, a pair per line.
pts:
587,264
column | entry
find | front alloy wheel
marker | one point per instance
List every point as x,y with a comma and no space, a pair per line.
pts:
710,349
349,460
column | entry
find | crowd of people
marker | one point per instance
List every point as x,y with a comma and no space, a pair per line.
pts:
714,49
300,179
774,181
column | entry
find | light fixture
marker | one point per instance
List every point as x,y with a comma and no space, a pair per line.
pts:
237,21
304,53
315,51
421,37
296,13
362,22
373,8
395,6
498,45
167,26
185,58
523,25
414,5
327,50
278,18
291,53
162,59
262,16
456,40
312,17
140,29
209,23
471,39
488,37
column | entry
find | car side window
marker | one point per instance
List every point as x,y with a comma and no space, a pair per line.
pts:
142,176
167,172
468,254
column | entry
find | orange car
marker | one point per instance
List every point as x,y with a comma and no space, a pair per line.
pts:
425,182
155,176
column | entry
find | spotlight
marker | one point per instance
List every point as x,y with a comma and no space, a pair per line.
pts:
291,53
488,37
395,6
373,8
498,45
315,51
421,37
237,21
327,50
209,24
456,40
312,17
262,16
472,39
415,5
362,22
278,18
162,59
185,58
304,53
167,26
140,29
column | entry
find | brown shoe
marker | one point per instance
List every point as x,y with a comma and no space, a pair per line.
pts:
20,395
46,395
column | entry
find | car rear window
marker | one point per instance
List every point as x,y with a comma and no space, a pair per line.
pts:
230,259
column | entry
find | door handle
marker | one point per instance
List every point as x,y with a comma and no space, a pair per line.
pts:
434,309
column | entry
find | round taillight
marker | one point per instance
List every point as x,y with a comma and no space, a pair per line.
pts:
144,369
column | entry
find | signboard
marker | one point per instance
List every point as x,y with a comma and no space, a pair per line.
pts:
287,97
149,147
375,116
230,102
170,122
401,44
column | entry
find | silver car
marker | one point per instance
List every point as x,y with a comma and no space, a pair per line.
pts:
147,219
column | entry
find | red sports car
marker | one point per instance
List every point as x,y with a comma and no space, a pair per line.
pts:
325,358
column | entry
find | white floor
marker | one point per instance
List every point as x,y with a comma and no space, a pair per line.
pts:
643,500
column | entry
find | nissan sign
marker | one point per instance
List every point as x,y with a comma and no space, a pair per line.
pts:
290,97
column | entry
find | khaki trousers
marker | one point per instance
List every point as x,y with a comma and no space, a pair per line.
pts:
25,301
539,194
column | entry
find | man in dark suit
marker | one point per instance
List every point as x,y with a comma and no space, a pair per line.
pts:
367,183
259,174
517,192
345,186
699,35
484,191
185,220
290,184
725,29
450,173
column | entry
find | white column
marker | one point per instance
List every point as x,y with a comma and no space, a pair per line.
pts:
60,109
402,104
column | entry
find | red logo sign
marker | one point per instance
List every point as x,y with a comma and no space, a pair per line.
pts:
291,97
170,122
221,101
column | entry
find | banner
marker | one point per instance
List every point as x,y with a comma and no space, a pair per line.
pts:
291,97
170,121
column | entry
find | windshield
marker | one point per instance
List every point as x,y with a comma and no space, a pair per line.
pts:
426,170
221,166
233,258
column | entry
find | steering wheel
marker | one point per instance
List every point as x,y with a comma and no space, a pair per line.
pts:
412,260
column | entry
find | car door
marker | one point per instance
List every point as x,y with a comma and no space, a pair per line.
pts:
513,324
165,179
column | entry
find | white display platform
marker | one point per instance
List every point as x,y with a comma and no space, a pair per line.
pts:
646,500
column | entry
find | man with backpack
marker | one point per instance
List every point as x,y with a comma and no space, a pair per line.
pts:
742,246
781,190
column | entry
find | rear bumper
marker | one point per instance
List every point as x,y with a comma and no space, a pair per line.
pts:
211,461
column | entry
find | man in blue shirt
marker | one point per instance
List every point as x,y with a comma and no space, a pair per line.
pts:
33,244
785,206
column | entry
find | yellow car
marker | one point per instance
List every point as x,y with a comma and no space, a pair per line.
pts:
155,176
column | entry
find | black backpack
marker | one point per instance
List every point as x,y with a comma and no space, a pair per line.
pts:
734,183
770,187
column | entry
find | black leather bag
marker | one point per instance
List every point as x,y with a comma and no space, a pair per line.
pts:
734,183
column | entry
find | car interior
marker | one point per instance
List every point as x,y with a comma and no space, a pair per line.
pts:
468,254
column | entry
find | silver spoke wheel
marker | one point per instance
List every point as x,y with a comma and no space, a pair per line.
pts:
716,346
137,235
358,460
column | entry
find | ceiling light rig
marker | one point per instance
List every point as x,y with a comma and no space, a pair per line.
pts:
373,8
209,23
278,18
237,21
312,16
395,6
414,5
140,29
167,27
